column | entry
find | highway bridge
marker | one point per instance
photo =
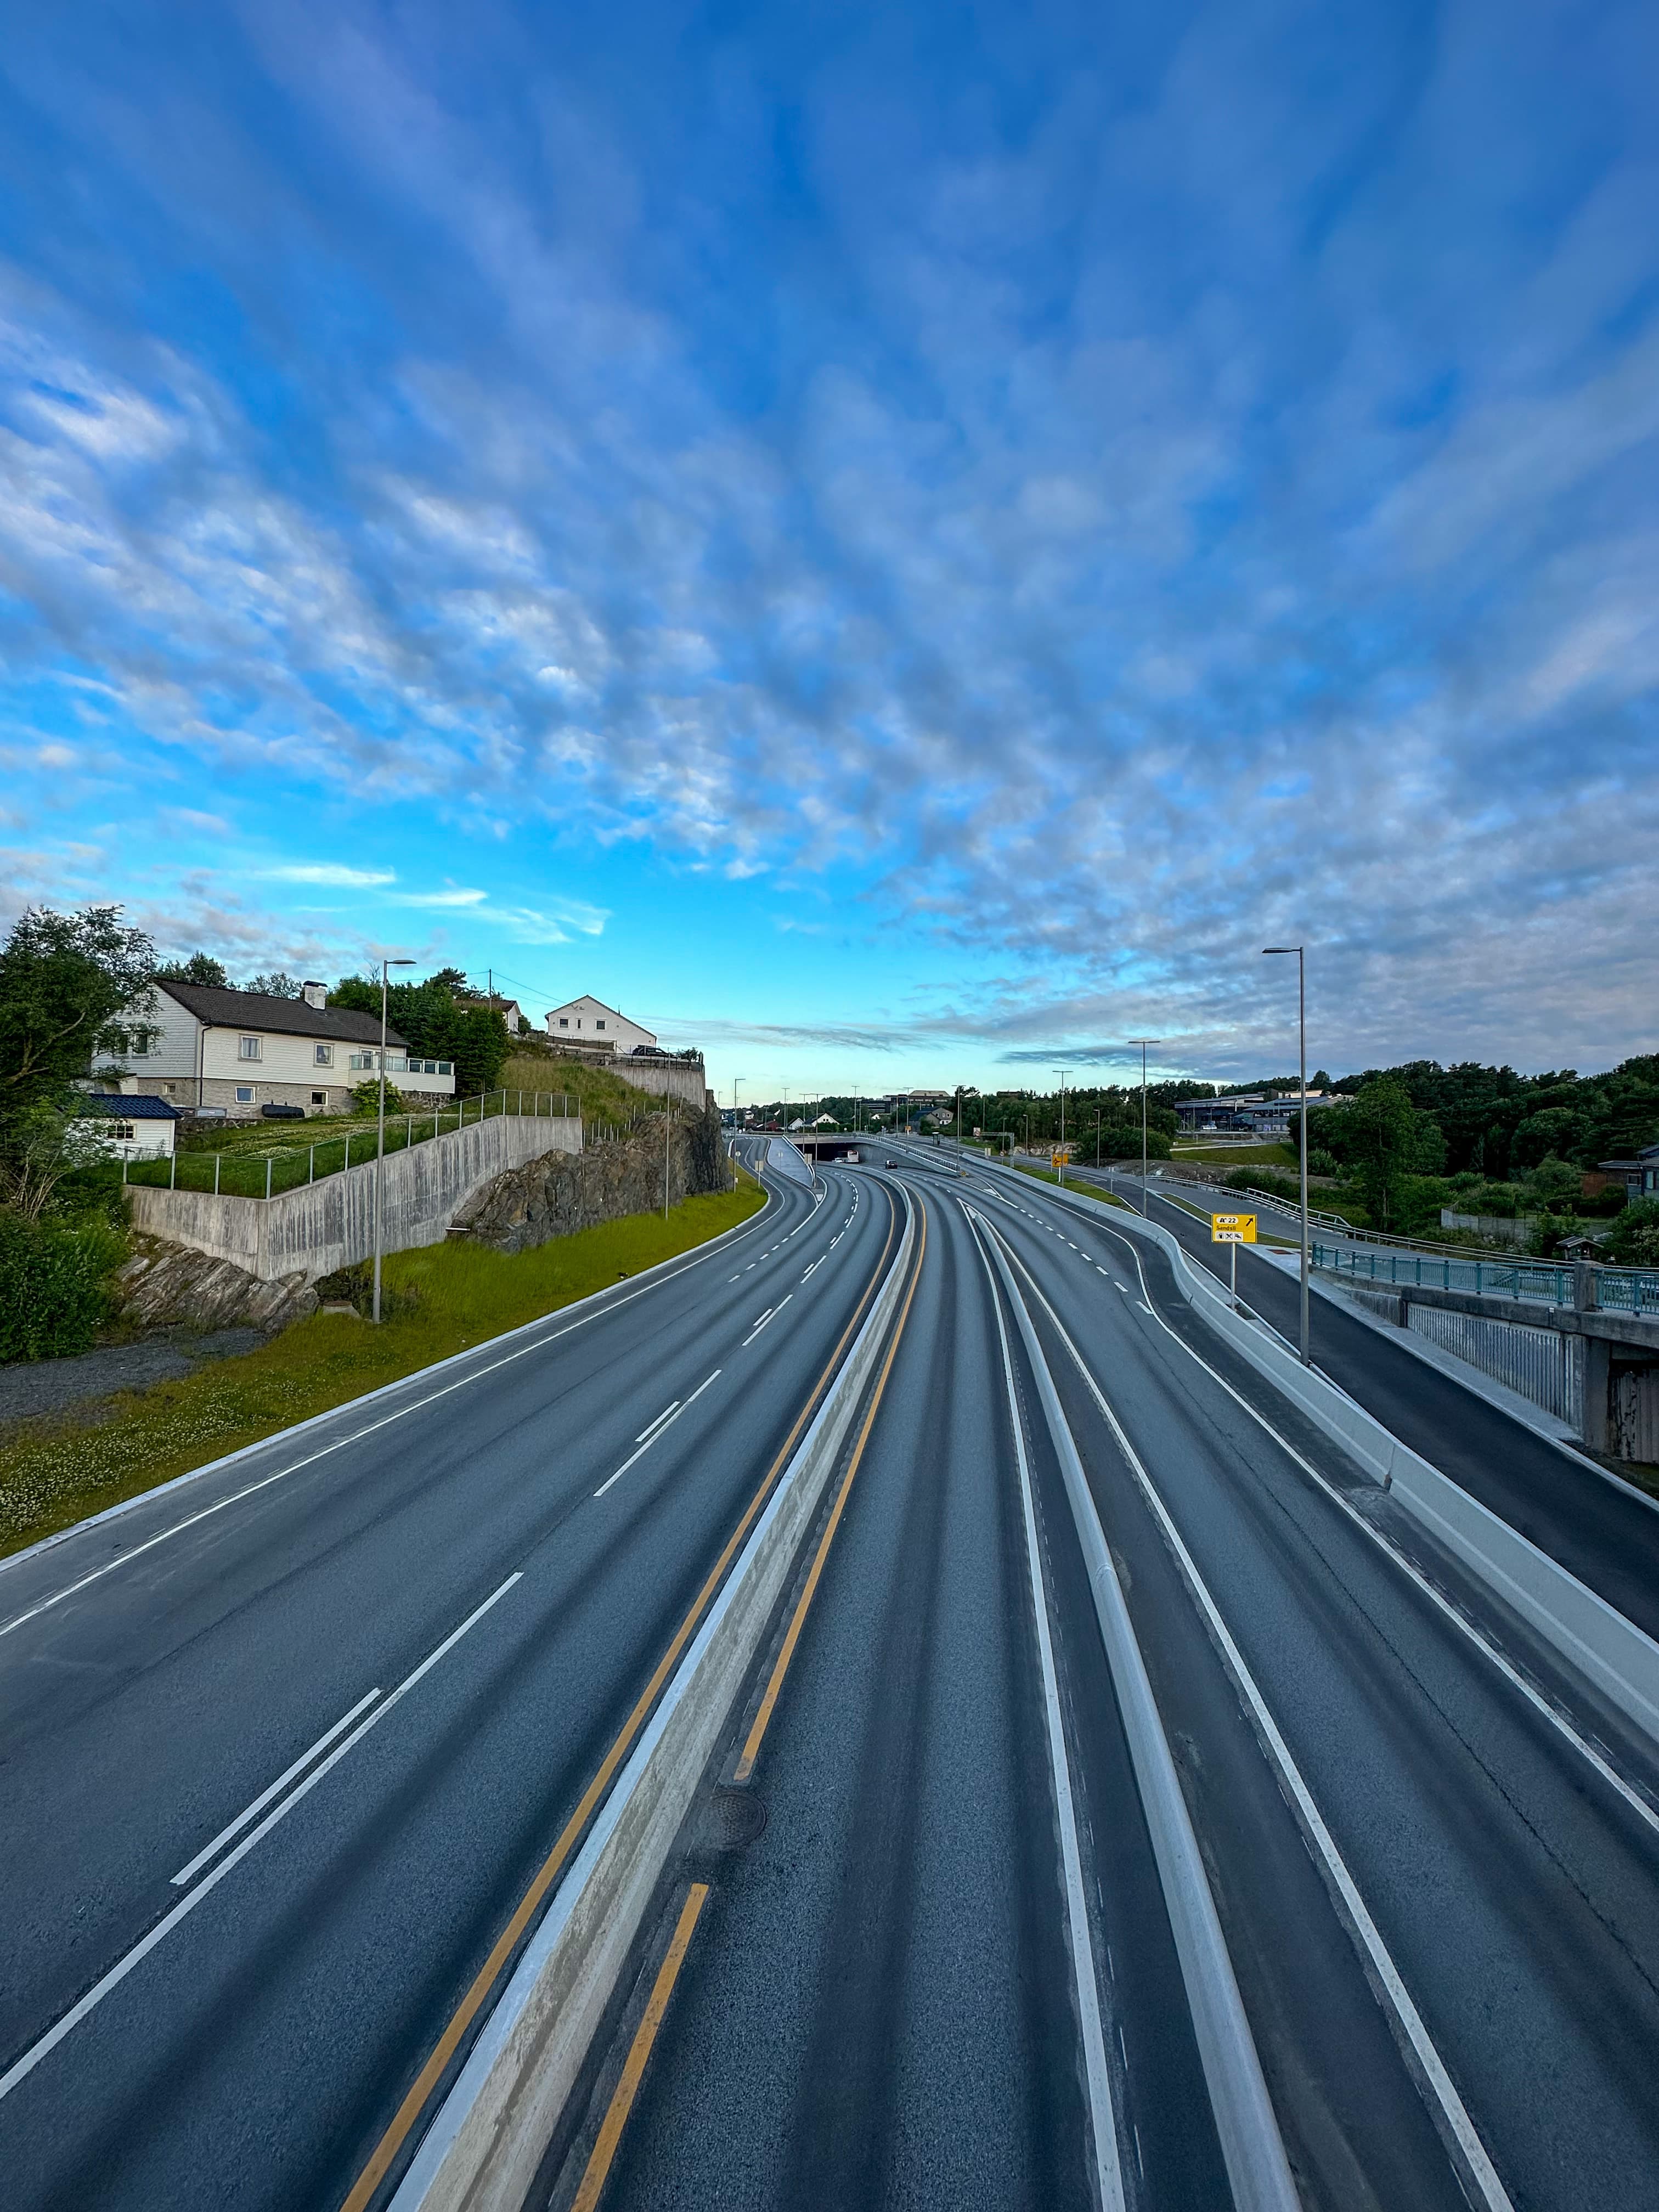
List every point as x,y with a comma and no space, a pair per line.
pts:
890,1708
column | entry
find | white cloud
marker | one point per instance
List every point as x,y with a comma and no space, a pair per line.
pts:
332,874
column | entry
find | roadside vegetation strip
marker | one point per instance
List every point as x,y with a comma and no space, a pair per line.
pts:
442,1299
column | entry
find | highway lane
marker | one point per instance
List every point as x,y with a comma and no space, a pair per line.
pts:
880,2005
1600,1529
1514,1889
456,1547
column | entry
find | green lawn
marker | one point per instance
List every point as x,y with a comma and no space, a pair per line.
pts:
442,1299
1239,1156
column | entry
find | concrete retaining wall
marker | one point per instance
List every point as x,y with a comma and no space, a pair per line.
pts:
329,1224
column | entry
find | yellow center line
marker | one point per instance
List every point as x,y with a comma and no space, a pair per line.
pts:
443,2050
622,2101
746,1766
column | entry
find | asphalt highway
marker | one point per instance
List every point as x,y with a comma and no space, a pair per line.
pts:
1433,1901
1600,1529
289,1750
283,1746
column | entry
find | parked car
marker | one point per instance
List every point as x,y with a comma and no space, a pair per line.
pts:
284,1113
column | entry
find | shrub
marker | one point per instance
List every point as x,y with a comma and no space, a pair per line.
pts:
1634,1239
54,1287
366,1098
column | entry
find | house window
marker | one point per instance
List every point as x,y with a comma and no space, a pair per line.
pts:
123,1133
250,1049
319,1097
325,1055
244,1094
598,1025
564,1021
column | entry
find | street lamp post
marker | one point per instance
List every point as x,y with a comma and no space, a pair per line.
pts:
379,1148
1062,1072
1301,1031
1143,1042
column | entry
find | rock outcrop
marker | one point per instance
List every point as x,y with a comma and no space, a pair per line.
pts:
565,1191
169,1286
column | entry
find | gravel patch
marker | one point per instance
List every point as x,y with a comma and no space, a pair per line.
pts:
54,1386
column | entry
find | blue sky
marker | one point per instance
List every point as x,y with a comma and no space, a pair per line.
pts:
902,544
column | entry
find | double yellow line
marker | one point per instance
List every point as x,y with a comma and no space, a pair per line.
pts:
392,2142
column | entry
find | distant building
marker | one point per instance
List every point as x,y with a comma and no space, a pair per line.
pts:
1639,1176
1249,1113
242,1050
588,1024
508,1009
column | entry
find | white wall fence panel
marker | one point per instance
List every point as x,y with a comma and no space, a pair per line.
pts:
1544,1364
328,1225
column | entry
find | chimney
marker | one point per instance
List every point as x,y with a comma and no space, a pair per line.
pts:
314,995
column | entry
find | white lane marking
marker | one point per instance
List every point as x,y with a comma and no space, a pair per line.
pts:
1099,1270
1144,1308
836,1239
658,1429
340,1443
817,1263
657,1424
1459,1620
193,1867
1102,2124
771,1313
188,1903
1468,2151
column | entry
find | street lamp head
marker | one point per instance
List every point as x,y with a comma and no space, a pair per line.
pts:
1280,948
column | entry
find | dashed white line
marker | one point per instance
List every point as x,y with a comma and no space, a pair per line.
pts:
770,1315
651,1425
659,1428
164,1927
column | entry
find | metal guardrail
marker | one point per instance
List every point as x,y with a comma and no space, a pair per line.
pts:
1538,1282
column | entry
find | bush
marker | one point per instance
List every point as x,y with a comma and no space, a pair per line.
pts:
54,1287
366,1098
1634,1239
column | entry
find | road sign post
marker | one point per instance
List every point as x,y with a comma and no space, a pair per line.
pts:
1232,1230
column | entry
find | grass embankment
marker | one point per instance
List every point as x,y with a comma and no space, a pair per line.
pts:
440,1300
604,1100
1240,1155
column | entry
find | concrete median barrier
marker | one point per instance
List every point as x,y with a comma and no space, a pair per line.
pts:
481,2151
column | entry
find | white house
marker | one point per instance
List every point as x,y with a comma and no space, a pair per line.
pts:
133,1128
241,1050
589,1025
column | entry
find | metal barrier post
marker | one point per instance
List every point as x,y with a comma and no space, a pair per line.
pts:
217,1156
173,1169
269,1163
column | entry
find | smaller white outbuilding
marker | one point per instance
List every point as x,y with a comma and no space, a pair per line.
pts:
135,1126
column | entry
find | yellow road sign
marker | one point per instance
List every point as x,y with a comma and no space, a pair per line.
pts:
1232,1229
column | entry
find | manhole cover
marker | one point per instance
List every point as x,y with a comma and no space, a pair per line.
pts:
732,1818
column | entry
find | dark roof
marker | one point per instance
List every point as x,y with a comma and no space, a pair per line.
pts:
132,1106
253,1010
